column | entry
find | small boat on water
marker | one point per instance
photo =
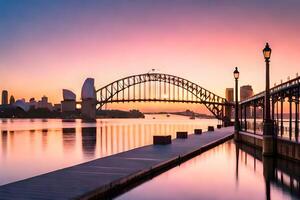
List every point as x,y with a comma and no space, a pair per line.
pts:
192,117
168,115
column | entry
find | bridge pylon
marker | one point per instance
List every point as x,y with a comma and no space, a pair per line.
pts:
228,115
88,96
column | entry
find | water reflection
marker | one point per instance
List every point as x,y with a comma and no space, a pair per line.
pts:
68,120
69,138
278,173
228,171
4,141
237,155
44,139
42,147
88,141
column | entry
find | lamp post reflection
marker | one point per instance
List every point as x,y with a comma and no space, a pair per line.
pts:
237,155
269,174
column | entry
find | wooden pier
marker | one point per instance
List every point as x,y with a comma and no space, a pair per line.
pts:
101,176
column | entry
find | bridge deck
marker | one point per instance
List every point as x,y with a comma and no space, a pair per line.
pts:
91,178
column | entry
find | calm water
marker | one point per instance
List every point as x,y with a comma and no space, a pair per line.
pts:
33,147
224,172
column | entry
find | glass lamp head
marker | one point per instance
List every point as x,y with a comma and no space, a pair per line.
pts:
267,51
236,73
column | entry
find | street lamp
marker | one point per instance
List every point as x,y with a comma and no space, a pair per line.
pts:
236,75
268,124
267,52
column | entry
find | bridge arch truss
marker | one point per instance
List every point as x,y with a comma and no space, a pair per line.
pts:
158,87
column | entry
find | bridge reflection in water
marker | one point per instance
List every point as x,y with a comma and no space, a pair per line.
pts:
54,144
111,138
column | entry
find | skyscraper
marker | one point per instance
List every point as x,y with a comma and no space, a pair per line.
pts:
246,92
4,97
229,97
12,100
229,94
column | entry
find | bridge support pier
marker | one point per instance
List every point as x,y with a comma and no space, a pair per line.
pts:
227,118
88,105
88,110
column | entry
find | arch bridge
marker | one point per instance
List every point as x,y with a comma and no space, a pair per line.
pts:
159,87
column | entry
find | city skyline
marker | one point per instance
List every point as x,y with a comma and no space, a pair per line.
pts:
69,102
201,41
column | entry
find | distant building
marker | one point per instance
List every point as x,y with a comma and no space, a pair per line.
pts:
4,97
246,92
43,103
57,107
45,99
229,98
88,89
33,103
229,94
12,100
22,105
69,102
88,96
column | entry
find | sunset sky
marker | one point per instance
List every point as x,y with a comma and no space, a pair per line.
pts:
49,45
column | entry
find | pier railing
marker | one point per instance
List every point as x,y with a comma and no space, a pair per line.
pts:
284,111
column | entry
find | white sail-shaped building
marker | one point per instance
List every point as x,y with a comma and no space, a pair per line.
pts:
88,96
88,89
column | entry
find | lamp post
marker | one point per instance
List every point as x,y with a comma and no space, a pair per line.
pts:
268,143
236,75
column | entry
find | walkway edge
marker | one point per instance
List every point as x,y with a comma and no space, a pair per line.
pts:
130,181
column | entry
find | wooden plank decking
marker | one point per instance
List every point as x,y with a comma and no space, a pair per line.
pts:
101,175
